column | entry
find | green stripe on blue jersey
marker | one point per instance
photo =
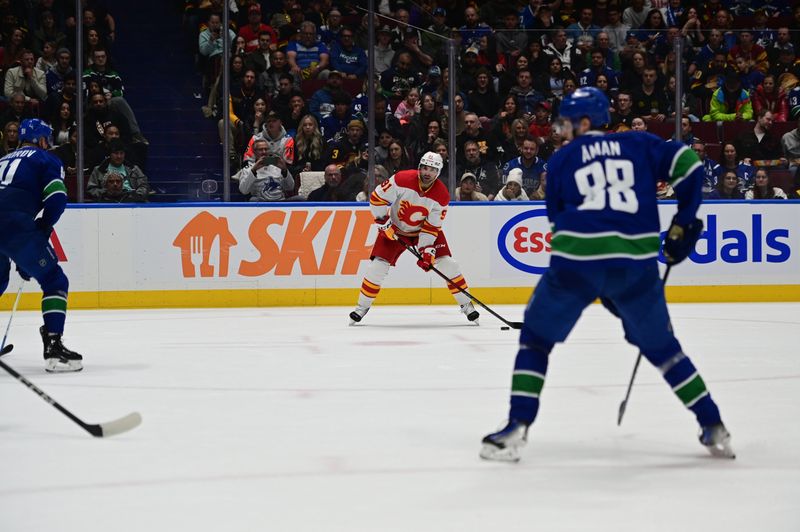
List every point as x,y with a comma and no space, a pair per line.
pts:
691,390
54,304
527,383
592,246
56,186
683,163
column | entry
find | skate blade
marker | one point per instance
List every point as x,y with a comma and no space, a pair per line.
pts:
496,454
721,450
55,365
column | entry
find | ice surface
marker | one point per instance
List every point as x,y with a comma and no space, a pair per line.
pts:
286,419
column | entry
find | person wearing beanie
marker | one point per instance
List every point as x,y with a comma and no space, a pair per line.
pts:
513,190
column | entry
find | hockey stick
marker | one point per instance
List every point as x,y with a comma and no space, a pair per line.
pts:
512,324
101,430
624,404
5,349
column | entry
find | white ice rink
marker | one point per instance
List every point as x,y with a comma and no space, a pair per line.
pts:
286,419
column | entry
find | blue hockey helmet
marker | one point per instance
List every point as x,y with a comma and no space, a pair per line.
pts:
33,129
590,102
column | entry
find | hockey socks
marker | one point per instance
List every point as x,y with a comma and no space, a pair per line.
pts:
688,385
54,311
530,369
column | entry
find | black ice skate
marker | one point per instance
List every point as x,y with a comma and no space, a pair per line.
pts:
358,314
59,359
717,440
504,445
470,312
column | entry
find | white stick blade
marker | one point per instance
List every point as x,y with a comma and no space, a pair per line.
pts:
123,424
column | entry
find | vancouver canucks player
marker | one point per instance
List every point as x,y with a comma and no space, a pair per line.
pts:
32,181
601,202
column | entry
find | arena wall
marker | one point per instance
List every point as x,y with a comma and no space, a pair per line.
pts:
240,255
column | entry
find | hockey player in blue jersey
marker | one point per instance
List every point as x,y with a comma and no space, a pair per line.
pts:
601,202
32,181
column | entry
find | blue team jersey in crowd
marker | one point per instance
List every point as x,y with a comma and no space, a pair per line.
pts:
794,103
32,179
601,196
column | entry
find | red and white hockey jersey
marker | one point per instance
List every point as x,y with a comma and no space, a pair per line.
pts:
414,211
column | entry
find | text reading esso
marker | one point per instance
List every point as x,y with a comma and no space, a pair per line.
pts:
524,241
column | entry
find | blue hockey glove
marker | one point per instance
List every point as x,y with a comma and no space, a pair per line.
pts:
680,240
21,272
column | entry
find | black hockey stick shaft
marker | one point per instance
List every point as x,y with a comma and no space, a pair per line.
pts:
106,429
624,404
512,324
5,349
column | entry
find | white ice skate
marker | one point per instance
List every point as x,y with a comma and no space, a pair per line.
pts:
504,445
470,312
717,440
358,314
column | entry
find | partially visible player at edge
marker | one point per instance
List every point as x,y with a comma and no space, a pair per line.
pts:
411,205
601,202
32,181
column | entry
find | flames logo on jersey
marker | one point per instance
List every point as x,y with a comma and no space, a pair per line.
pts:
411,214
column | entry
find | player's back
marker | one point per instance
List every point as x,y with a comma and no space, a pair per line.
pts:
601,196
27,176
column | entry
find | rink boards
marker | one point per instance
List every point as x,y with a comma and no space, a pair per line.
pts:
212,255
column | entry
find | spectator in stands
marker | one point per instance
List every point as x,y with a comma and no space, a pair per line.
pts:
539,193
615,28
209,42
420,59
297,110
408,107
47,32
62,122
259,59
334,126
551,83
349,150
610,57
308,56
265,175
633,71
309,147
692,28
529,164
54,78
255,117
381,151
597,66
750,77
92,42
652,31
473,28
68,155
771,97
753,54
635,15
730,102
649,102
133,187
16,110
332,31
483,99
502,122
714,45
425,143
383,51
527,96
560,134
486,172
687,135
348,58
401,71
98,152
511,146
26,79
584,26
47,60
467,190
783,41
639,124
321,102
722,21
762,189
759,143
10,140
622,118
10,52
269,80
541,123
242,98
473,131
398,158
98,117
254,28
512,40
512,191
563,49
102,73
790,143
327,192
711,170
289,31
732,163
727,188
279,143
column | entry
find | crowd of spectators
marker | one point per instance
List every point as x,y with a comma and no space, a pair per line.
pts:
37,66
298,83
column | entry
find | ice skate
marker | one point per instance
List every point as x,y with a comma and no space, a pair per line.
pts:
358,314
504,445
717,440
471,313
59,359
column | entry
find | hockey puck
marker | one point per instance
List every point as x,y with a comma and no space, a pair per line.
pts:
504,328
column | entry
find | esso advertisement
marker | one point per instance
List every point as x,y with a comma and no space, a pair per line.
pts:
524,241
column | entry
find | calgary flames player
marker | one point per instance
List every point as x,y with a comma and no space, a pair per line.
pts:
409,209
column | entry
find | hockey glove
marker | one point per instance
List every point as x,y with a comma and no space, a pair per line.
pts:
385,226
427,258
44,227
21,272
680,240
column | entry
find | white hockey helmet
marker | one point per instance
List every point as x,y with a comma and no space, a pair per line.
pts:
432,159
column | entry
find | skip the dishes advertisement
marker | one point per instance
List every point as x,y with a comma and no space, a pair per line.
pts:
296,254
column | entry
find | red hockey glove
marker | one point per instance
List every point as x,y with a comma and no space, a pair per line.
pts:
427,258
385,226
